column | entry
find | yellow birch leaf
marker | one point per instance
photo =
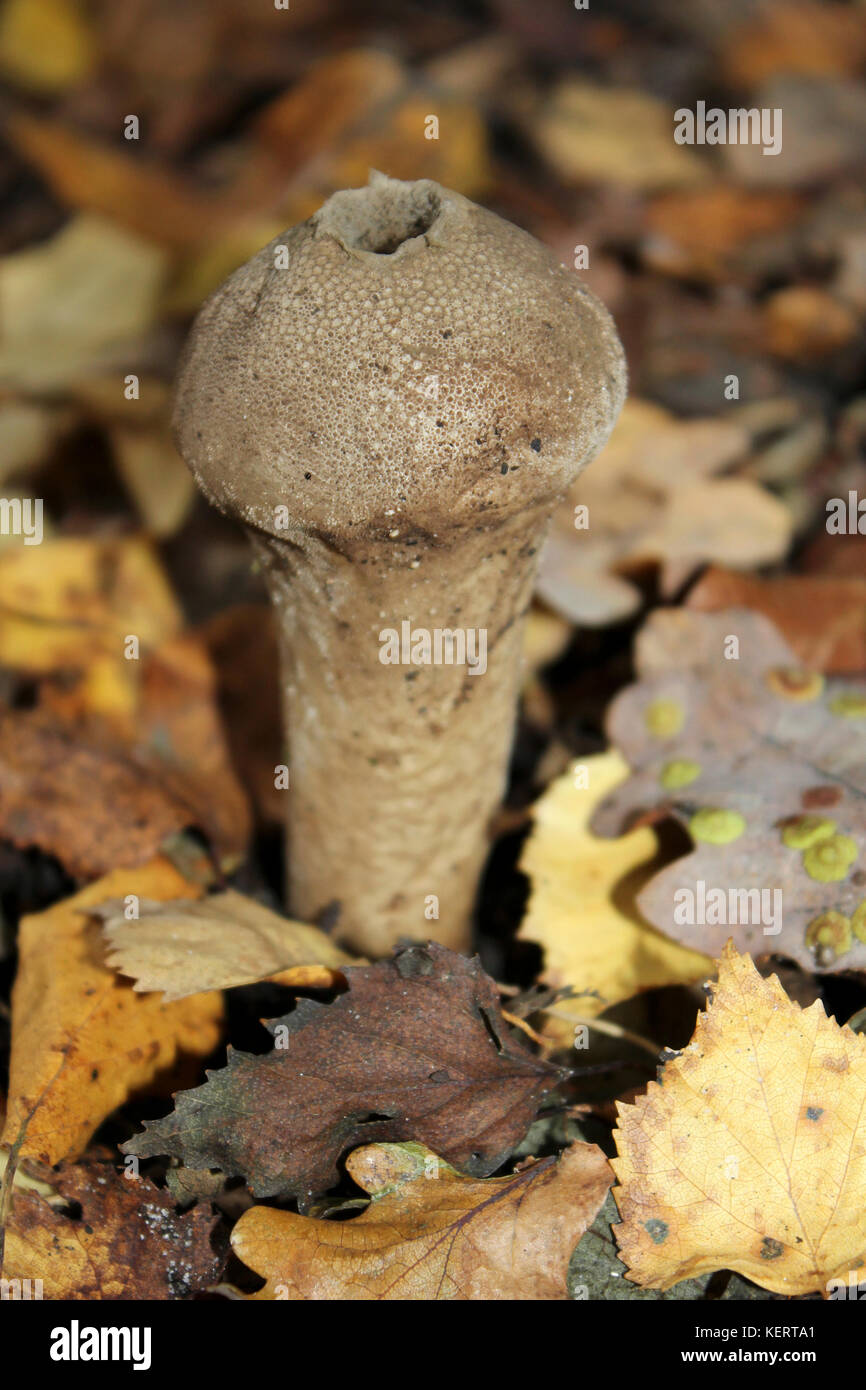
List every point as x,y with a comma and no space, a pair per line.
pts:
582,905
751,1153
82,1039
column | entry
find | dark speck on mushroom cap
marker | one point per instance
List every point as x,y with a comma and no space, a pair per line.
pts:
405,364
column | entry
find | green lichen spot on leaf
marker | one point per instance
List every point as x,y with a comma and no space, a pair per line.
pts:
830,860
850,705
806,831
771,1249
658,1230
829,932
664,718
714,826
679,773
814,1112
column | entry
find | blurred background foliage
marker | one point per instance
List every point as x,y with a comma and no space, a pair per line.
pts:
715,261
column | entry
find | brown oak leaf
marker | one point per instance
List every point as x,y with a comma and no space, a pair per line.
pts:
430,1233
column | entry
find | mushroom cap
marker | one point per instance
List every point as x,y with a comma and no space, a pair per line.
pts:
403,354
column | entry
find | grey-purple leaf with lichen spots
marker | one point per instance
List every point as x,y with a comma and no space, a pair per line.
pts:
764,764
417,1048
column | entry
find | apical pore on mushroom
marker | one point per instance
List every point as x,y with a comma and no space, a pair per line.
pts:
392,398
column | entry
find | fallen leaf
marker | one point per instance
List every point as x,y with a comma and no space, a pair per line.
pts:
823,619
155,475
399,146
729,520
823,135
430,1233
617,135
415,1048
596,1272
46,46
128,1242
546,637
141,200
330,102
700,231
749,1155
130,812
224,940
652,498
74,303
581,909
83,1041
29,432
764,765
824,39
803,323
70,605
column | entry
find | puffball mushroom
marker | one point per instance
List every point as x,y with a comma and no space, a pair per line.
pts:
392,397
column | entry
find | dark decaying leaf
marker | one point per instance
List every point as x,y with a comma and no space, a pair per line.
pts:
126,1242
417,1048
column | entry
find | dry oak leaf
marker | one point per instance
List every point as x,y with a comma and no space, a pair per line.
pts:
82,1040
656,501
764,765
430,1233
218,942
751,1154
416,1048
128,1242
582,908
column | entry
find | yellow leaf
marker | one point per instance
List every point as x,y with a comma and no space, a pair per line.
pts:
581,909
45,45
431,1233
751,1154
82,1039
70,603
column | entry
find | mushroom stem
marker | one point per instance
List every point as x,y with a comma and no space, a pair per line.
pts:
396,769
392,398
